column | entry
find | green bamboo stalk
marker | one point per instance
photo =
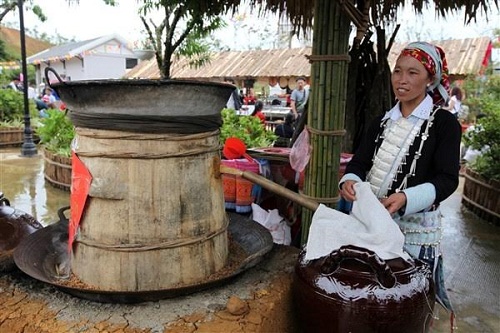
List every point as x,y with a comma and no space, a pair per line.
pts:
328,104
318,104
329,41
329,112
319,31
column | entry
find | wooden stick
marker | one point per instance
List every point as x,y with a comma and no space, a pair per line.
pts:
271,186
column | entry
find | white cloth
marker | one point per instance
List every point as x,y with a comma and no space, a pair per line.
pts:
274,222
369,226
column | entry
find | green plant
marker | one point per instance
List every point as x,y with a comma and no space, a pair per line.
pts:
249,129
12,109
11,105
56,133
15,123
486,136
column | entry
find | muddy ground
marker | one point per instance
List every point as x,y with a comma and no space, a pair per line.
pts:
259,300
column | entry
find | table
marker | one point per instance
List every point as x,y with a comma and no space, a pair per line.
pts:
276,112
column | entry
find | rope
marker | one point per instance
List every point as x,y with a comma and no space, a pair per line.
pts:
328,57
149,156
158,246
316,131
142,136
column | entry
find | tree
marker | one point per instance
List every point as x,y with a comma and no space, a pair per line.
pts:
181,31
7,6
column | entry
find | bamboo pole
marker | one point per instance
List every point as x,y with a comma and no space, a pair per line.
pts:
327,105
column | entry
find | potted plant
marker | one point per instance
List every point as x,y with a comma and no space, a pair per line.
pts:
11,117
482,140
56,132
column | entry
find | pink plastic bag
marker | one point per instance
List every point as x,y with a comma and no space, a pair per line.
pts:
301,152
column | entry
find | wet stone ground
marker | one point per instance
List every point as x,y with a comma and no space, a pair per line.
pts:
257,301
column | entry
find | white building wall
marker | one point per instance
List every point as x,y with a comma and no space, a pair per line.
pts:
70,69
91,67
104,67
105,61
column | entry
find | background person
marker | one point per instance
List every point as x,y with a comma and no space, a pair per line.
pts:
234,101
298,98
284,131
410,155
455,103
15,84
49,99
257,112
250,98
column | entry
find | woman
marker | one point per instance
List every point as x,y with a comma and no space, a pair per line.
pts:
455,103
257,112
410,155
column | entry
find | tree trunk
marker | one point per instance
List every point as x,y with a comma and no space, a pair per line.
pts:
327,104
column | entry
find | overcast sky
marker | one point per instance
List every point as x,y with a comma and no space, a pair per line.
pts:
92,18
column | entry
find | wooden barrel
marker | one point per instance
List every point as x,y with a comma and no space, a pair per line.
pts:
482,196
11,137
14,137
155,217
57,170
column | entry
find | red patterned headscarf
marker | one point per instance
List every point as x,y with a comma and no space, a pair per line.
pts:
434,61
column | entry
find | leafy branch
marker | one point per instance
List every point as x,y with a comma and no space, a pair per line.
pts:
181,32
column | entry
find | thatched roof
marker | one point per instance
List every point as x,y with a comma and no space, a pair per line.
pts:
235,64
465,57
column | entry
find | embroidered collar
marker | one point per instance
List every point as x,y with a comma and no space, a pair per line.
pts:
422,111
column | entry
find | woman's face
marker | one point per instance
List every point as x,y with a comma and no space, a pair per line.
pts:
409,80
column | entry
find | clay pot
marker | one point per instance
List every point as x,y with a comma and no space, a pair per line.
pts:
353,290
14,226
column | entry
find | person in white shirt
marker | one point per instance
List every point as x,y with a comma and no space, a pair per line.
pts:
15,84
455,103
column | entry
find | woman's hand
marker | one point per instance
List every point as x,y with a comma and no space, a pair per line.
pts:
347,190
394,202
